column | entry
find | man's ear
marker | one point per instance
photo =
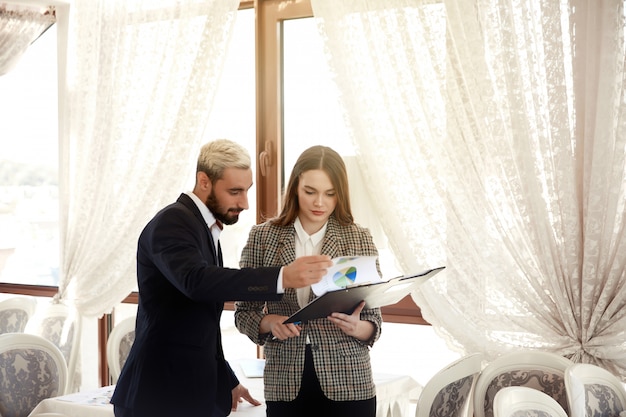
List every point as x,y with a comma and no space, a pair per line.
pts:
203,181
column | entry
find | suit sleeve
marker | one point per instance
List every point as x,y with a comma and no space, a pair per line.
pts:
248,314
234,381
178,248
373,315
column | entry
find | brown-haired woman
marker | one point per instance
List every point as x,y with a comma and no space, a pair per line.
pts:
322,365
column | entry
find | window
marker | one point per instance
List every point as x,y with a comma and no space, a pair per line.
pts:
313,116
29,201
290,47
233,117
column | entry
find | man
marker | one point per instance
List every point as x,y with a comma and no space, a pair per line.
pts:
176,366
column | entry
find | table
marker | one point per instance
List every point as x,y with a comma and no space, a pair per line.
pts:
392,396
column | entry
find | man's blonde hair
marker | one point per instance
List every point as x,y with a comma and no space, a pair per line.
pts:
220,154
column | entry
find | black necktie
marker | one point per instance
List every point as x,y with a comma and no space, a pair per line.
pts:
220,260
214,236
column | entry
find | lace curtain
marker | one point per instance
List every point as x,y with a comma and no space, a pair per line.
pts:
20,25
140,82
501,126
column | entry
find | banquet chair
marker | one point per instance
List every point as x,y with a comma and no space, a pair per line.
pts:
61,324
15,313
525,402
449,392
31,370
119,342
594,391
541,370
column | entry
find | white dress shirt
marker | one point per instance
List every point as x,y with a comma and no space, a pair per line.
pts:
214,226
307,245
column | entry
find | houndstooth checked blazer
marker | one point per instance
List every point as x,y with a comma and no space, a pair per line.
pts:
342,363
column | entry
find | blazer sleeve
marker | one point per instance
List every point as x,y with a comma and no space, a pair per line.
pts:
373,315
234,381
174,243
248,314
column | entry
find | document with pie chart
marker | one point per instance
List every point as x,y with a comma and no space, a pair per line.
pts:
344,299
347,271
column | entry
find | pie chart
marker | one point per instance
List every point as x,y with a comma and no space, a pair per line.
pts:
345,277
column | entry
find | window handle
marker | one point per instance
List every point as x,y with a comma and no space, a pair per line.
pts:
265,158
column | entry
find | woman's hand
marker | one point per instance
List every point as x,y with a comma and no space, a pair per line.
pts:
352,325
273,323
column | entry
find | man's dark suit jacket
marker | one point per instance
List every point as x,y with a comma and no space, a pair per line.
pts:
176,366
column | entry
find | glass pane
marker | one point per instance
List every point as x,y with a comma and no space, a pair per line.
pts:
313,116
233,116
312,112
29,202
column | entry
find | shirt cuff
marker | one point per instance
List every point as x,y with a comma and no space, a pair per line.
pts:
279,283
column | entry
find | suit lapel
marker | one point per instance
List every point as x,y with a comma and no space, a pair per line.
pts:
332,239
185,200
286,254
286,243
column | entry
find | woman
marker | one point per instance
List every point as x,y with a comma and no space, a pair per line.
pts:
322,365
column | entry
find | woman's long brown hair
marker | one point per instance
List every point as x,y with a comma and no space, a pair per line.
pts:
329,161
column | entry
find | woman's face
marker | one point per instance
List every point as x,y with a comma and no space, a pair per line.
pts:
317,199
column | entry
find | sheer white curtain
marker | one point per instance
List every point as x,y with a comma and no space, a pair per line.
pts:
21,25
140,82
501,126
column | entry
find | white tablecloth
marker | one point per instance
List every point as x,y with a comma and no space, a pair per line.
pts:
392,396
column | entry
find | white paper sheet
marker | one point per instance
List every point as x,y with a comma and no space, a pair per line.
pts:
347,271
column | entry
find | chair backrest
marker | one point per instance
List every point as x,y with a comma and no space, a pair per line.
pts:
15,313
118,345
449,392
543,371
61,324
524,401
594,391
31,370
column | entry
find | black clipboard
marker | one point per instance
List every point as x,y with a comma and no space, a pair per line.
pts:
378,294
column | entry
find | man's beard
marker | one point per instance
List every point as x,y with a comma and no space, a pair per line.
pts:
214,206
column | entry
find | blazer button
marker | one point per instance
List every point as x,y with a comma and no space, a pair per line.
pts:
315,348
